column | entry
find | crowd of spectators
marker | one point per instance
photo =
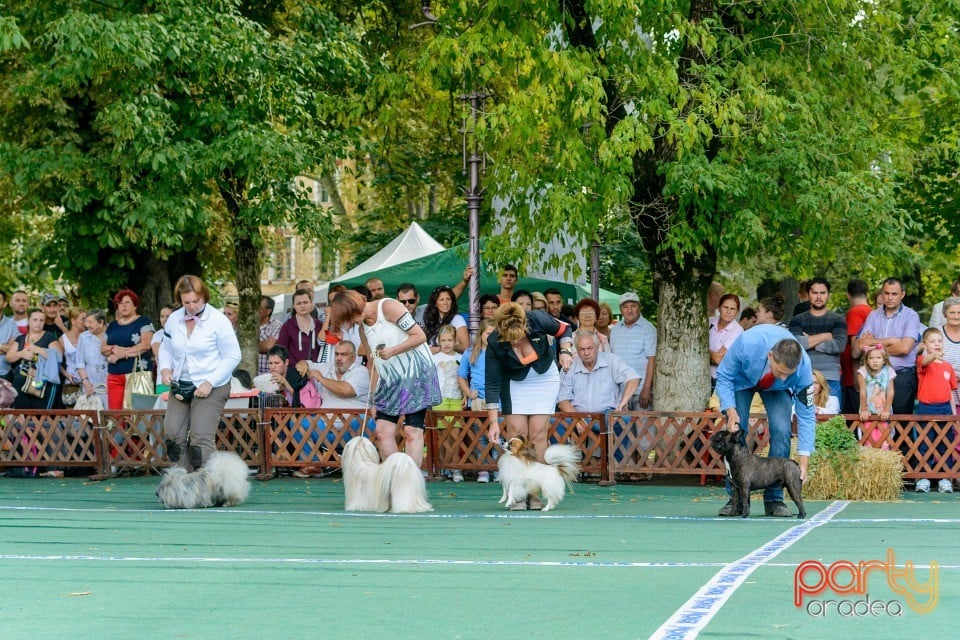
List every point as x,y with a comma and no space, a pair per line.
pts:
69,353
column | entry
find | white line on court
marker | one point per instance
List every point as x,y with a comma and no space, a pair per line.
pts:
309,561
696,613
357,514
395,561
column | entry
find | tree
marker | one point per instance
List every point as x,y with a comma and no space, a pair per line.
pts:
161,136
723,129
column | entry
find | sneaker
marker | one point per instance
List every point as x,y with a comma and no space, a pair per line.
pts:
729,509
777,510
496,476
534,504
923,485
483,476
312,471
457,475
520,506
945,486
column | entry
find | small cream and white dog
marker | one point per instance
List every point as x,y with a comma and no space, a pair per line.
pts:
521,476
222,481
396,485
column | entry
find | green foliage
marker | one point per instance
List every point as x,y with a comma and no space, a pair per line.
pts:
169,128
835,445
833,437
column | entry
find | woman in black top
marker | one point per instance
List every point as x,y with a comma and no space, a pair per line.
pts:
522,380
31,352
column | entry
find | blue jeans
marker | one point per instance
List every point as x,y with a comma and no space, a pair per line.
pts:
314,435
617,426
940,409
779,406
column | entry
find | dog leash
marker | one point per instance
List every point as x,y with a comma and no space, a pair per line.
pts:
366,408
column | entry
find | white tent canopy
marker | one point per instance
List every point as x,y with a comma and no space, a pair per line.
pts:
411,244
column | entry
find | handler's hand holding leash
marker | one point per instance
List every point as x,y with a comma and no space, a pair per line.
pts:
493,429
733,419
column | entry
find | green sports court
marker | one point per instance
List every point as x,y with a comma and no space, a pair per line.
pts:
85,559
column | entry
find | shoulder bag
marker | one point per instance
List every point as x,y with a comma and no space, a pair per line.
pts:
138,382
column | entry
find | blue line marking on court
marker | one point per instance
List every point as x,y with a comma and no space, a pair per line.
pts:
696,613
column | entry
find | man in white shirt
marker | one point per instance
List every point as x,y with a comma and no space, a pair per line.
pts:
635,340
19,303
343,384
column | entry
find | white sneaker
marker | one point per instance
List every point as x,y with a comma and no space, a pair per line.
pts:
457,475
923,485
945,486
483,476
496,476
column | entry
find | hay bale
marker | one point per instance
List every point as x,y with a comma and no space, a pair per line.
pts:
873,475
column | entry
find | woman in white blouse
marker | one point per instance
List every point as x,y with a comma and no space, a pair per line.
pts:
196,359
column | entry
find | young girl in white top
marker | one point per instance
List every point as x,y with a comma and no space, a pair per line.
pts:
447,361
823,402
875,378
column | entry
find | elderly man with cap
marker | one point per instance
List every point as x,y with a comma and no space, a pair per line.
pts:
634,339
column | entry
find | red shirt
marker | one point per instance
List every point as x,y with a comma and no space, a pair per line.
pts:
856,316
936,381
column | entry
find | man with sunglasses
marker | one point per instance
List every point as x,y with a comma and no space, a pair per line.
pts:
408,296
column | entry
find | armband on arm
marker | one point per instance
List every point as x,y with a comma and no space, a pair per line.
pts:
406,321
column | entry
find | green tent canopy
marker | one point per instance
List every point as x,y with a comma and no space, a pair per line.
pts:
446,268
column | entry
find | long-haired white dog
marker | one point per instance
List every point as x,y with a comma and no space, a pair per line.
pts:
521,476
222,481
396,485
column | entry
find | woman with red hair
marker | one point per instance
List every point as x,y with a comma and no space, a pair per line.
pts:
128,338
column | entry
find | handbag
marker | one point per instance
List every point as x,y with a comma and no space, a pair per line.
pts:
183,390
34,386
8,393
88,403
71,393
310,397
139,382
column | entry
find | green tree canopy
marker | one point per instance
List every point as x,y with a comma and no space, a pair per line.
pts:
723,129
162,136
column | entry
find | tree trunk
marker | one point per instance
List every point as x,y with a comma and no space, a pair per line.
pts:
154,278
682,378
248,287
247,278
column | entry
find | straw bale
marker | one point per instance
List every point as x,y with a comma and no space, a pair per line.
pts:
875,475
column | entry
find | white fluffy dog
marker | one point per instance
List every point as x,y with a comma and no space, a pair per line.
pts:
222,481
396,485
521,476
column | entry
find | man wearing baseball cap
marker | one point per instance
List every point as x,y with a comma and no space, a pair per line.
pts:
634,339
52,321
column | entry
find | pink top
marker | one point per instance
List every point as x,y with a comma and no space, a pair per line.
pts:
720,338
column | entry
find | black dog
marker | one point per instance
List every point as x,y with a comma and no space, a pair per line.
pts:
748,471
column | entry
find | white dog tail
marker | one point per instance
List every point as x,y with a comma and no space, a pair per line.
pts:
400,478
566,458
